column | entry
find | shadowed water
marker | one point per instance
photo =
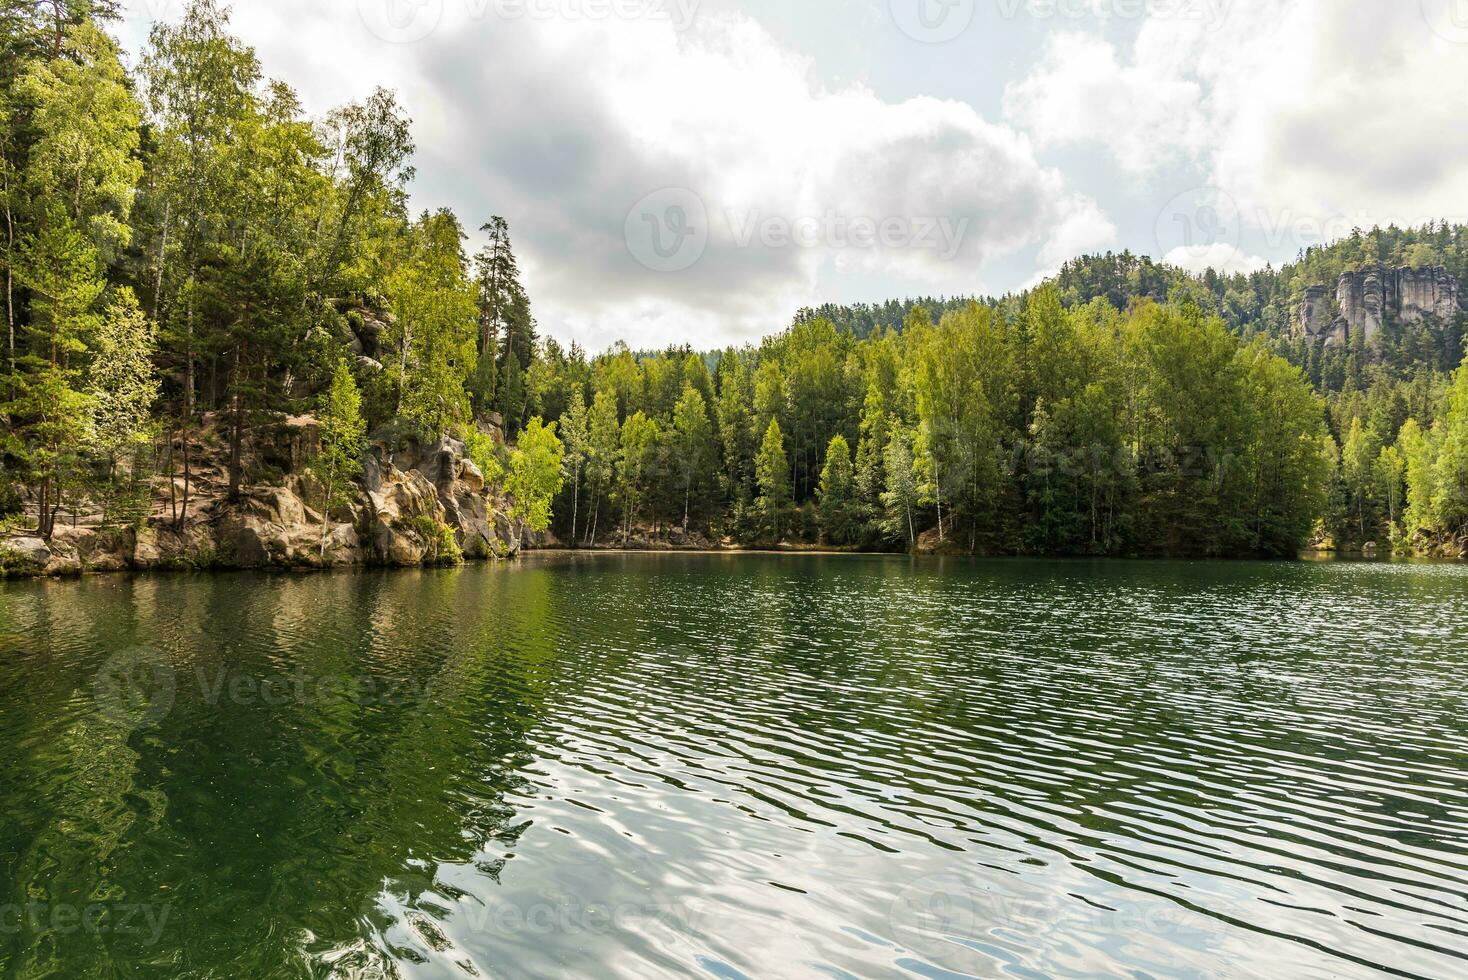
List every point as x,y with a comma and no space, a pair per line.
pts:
729,766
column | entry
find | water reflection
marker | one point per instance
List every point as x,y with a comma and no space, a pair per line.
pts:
738,766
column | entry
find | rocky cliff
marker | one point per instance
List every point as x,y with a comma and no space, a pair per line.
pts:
1370,300
414,506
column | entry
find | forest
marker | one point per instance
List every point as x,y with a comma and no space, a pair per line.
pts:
184,250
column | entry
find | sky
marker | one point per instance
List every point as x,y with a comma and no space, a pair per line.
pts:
695,171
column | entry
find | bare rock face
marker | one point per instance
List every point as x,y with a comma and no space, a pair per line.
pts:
95,549
159,546
1362,299
1369,300
432,510
401,515
1423,293
460,488
1314,318
272,527
471,476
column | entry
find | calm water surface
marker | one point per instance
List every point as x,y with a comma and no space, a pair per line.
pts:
645,766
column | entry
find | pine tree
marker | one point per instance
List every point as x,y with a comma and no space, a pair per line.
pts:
772,472
692,443
901,494
50,414
837,492
338,462
506,328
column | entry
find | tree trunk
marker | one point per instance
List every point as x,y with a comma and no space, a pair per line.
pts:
938,488
326,508
162,255
188,409
236,431
43,508
595,516
575,501
9,273
172,483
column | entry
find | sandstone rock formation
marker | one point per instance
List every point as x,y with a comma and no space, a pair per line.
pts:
1371,300
414,507
1316,315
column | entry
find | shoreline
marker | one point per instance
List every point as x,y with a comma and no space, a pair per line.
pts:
11,574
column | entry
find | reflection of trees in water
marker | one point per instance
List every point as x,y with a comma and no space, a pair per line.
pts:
272,829
69,790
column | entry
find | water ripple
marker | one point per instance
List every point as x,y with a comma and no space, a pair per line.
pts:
654,766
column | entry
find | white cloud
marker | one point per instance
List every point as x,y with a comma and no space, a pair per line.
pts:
1220,257
1145,111
1309,113
1084,229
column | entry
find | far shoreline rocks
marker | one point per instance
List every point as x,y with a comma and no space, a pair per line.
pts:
413,507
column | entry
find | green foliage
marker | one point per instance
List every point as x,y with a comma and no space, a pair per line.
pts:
602,455
1417,451
435,327
691,444
1450,472
636,466
485,454
772,472
442,547
900,498
338,461
576,436
838,515
535,475
122,381
187,244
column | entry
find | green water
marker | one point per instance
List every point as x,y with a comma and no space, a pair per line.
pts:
646,766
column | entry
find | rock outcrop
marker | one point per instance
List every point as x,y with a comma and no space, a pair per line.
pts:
1315,316
413,508
1423,293
1371,300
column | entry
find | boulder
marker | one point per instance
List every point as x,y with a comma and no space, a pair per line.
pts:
398,514
471,476
96,549
507,536
158,546
24,554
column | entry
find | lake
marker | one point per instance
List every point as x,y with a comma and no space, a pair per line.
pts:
738,766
